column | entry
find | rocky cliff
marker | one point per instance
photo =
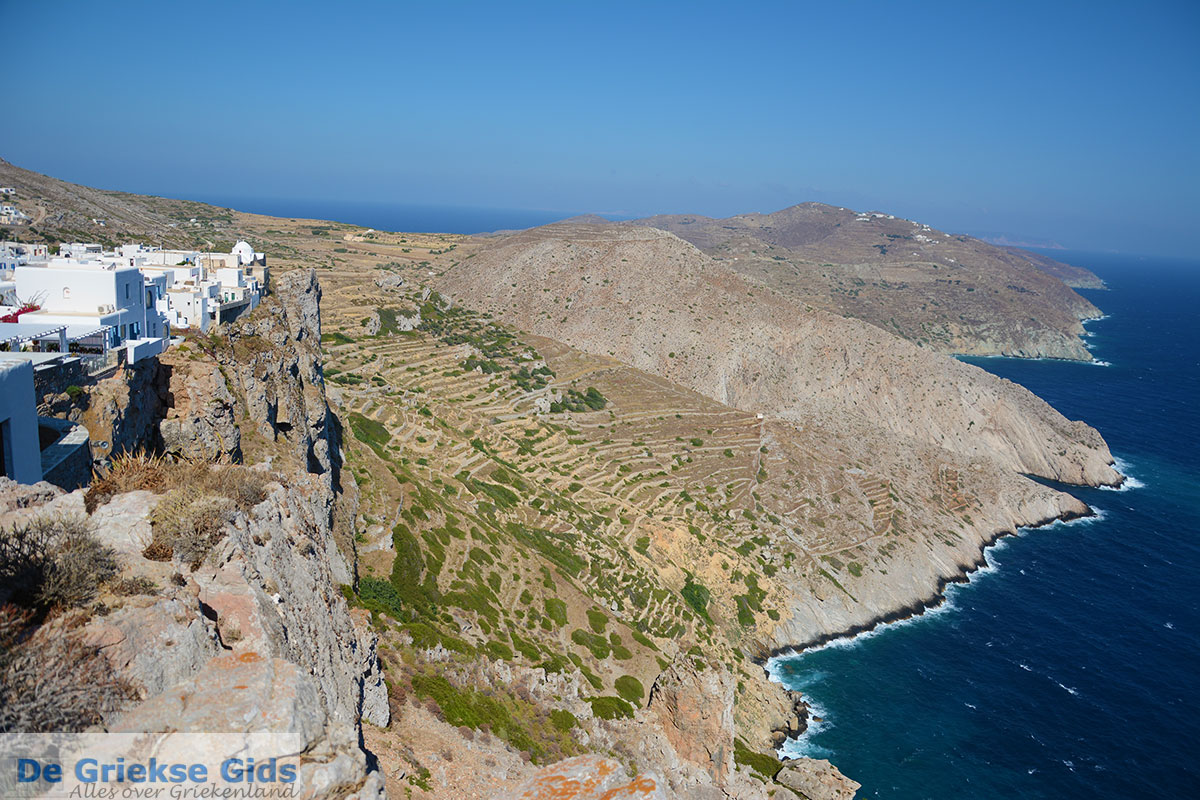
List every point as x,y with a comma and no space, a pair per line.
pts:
226,613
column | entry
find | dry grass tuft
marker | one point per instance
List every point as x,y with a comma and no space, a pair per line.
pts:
53,563
200,498
51,681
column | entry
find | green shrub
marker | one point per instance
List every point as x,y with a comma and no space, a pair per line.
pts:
643,640
765,767
630,688
556,610
610,707
482,556
597,620
499,651
558,548
562,719
370,432
598,645
697,596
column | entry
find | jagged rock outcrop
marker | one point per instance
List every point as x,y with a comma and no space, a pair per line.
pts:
271,583
124,410
767,713
588,777
257,639
274,364
256,635
817,779
694,705
200,421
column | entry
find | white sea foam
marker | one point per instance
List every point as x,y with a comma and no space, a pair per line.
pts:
1130,482
946,604
1074,692
803,745
1095,362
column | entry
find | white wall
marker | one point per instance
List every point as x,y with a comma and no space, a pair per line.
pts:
20,452
88,287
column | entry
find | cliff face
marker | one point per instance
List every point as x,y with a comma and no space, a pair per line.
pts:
252,633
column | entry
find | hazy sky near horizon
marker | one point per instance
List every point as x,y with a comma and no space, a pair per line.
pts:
1075,122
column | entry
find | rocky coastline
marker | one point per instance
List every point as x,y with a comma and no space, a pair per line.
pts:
915,609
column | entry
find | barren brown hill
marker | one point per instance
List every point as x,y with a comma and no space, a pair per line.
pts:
68,212
1071,275
651,300
947,292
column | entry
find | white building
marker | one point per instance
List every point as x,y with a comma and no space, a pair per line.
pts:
180,289
80,250
20,449
98,293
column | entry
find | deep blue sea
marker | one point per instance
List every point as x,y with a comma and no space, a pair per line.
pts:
1070,666
387,216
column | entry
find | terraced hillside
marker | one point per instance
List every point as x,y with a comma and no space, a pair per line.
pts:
529,504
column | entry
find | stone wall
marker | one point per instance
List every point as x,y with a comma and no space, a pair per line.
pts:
68,462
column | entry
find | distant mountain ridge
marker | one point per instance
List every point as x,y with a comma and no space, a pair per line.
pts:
65,212
949,292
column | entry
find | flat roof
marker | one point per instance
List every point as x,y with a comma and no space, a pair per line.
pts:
8,357
28,330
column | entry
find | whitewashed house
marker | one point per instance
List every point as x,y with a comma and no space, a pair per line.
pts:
98,293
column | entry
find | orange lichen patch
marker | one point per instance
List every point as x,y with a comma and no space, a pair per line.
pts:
241,686
553,787
249,657
639,787
572,781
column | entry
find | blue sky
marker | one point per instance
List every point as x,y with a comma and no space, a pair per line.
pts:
1074,122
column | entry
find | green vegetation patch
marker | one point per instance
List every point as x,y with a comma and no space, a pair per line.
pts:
558,548
630,688
556,610
370,432
697,596
520,723
597,645
597,620
610,707
764,767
